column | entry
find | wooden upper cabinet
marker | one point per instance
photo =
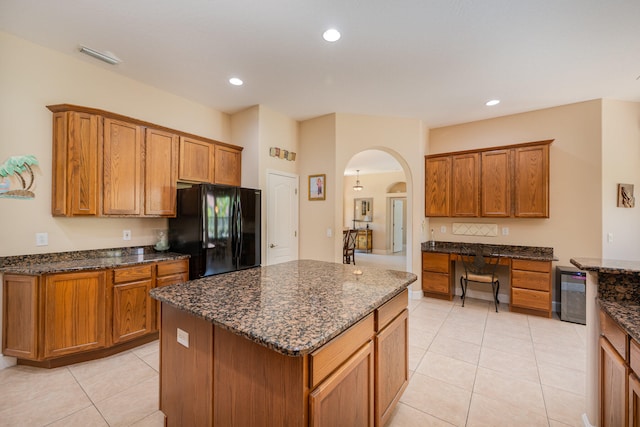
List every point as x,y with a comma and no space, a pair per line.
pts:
495,184
196,160
531,192
437,186
161,173
465,194
122,163
227,168
76,147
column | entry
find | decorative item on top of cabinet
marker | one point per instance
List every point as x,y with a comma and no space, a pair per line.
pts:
196,160
465,191
437,186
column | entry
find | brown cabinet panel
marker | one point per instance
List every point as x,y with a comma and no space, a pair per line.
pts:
166,268
227,169
76,148
130,274
392,366
531,191
436,282
614,376
615,335
122,162
437,186
634,401
350,386
530,280
169,273
364,240
526,298
131,310
74,312
495,192
387,312
524,264
196,162
160,173
436,262
20,316
465,193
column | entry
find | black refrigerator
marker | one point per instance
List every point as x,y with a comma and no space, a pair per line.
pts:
218,226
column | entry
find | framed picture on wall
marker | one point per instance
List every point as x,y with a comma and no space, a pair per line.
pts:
317,188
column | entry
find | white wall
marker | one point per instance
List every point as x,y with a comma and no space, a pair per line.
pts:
620,165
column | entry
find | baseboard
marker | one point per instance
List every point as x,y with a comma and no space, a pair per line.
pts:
415,294
585,421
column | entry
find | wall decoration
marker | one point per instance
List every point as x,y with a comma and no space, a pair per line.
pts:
18,169
363,209
625,196
317,188
282,154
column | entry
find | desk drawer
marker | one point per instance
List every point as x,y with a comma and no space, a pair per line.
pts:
527,298
531,280
435,262
435,282
523,264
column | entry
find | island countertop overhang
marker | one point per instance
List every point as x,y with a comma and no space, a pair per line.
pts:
292,308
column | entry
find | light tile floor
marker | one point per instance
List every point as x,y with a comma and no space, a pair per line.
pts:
470,366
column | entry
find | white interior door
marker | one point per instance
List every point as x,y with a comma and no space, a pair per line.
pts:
282,217
398,224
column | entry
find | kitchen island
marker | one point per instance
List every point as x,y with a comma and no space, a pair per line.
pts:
294,344
613,331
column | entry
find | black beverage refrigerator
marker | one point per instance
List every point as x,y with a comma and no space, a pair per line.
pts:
218,226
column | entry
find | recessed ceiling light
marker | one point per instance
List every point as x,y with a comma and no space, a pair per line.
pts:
236,81
492,102
331,35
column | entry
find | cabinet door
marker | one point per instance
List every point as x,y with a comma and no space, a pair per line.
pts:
392,366
495,181
614,376
465,193
74,312
345,398
196,160
166,281
20,316
161,173
75,164
634,401
227,168
131,310
437,186
531,191
122,175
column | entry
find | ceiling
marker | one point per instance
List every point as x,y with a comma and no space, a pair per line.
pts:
434,60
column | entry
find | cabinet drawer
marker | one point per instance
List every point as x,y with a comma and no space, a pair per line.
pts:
614,333
634,356
438,263
523,264
172,279
130,274
333,354
391,309
531,280
172,267
526,298
435,282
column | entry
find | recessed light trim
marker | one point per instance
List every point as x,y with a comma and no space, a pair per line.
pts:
331,35
492,102
236,81
107,57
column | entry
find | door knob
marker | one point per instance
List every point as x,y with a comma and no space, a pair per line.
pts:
272,245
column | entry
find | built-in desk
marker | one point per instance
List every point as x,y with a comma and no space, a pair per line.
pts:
529,267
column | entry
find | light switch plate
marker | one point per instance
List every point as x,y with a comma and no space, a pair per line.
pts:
126,234
183,337
42,239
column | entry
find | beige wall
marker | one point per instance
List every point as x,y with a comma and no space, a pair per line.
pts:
35,77
574,228
375,186
245,131
620,164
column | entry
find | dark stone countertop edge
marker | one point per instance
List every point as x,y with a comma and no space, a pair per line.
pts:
611,266
533,253
277,346
63,262
627,315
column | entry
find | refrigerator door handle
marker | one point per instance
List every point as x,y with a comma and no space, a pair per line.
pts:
239,221
203,205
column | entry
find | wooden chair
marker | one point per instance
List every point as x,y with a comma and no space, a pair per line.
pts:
349,246
480,264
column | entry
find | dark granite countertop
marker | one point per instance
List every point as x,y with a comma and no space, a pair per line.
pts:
293,307
627,315
98,259
603,265
535,253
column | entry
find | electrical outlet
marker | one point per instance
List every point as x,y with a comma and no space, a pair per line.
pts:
505,231
126,234
443,228
183,337
610,237
329,232
42,239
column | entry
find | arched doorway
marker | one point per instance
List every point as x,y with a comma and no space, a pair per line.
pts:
375,203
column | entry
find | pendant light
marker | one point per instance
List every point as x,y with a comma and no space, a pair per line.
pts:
357,187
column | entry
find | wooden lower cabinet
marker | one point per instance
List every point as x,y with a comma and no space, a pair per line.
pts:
634,400
531,287
169,273
20,316
73,313
614,375
223,379
437,275
131,303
